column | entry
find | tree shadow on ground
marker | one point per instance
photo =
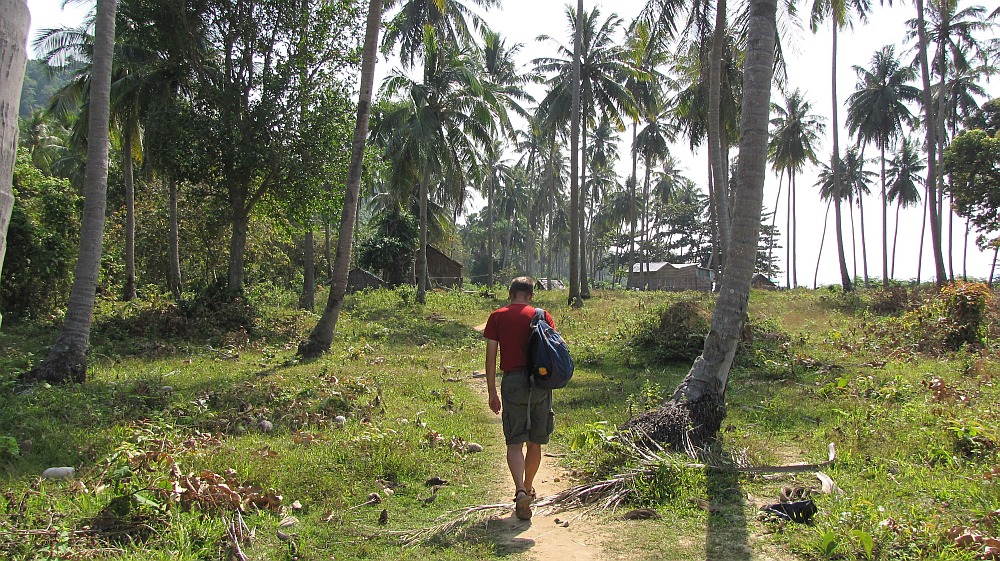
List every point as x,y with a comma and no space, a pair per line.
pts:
727,533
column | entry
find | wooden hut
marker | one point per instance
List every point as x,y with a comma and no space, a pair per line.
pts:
762,282
360,279
549,284
442,271
671,277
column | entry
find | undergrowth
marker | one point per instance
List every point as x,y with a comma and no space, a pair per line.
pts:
183,430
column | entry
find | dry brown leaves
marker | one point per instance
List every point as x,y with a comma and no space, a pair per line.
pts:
212,492
976,538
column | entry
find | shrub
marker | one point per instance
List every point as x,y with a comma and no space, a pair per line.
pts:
41,243
965,305
675,333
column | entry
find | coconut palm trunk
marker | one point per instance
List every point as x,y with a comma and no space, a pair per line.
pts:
129,291
173,244
321,337
845,276
931,145
67,359
574,186
582,213
715,142
14,22
698,403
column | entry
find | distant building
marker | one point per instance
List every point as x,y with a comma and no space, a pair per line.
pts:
442,271
360,279
762,282
671,277
549,284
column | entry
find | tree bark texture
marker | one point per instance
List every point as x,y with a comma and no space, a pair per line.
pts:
307,300
128,293
702,392
715,141
931,145
838,181
14,23
321,337
173,244
574,164
67,359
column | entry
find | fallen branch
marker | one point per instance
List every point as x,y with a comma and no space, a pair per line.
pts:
793,468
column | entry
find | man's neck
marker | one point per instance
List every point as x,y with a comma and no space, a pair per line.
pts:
525,301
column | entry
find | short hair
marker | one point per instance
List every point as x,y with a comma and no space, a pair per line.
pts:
522,284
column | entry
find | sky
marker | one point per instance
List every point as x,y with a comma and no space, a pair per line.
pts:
809,69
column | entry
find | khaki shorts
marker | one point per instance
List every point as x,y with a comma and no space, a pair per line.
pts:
521,423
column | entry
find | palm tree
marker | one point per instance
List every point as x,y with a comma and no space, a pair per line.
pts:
67,359
904,184
14,22
652,143
701,395
604,67
448,18
321,336
794,134
439,127
839,14
856,180
930,142
645,54
877,112
953,32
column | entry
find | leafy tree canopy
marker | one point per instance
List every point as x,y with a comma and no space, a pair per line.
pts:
973,164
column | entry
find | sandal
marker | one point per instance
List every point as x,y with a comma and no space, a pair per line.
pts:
522,505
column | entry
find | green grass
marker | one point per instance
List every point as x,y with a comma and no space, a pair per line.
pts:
915,433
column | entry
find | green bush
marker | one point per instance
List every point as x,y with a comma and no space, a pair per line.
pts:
41,243
674,333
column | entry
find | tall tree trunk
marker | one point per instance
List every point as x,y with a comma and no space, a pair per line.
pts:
129,292
238,244
326,248
14,23
965,252
631,205
321,337
307,300
173,244
792,188
923,228
864,240
574,186
715,133
582,215
822,240
993,267
885,229
931,144
421,265
700,397
895,238
845,277
774,220
490,251
67,359
646,250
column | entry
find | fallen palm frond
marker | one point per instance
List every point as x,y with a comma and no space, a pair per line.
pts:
608,494
450,521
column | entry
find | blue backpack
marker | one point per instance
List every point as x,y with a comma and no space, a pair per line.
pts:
551,365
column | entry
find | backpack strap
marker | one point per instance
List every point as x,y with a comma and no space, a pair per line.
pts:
539,316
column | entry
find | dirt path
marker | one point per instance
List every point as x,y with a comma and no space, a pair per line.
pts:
572,538
546,537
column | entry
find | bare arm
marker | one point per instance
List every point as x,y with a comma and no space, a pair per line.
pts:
491,374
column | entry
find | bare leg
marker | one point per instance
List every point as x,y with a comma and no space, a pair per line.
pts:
515,462
532,460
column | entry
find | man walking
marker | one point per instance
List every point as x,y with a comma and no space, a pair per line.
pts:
528,419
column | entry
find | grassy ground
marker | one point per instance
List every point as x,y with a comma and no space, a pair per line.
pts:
172,431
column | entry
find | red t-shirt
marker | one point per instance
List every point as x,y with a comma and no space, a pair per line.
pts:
511,326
